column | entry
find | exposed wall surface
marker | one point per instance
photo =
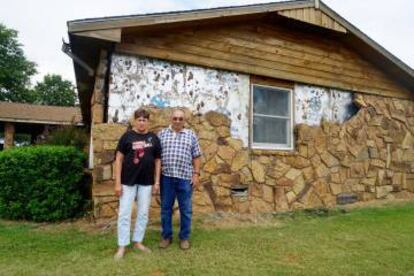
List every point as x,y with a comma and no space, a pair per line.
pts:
312,104
368,157
138,81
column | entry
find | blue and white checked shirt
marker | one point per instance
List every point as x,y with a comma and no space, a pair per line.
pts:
178,151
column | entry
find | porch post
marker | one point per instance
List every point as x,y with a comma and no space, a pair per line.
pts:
9,131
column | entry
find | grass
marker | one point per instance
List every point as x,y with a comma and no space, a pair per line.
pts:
360,242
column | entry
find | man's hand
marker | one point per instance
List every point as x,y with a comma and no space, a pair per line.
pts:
156,189
195,180
118,190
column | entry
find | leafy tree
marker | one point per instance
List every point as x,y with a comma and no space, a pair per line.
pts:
15,69
53,90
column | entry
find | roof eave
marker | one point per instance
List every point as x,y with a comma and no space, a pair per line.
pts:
172,17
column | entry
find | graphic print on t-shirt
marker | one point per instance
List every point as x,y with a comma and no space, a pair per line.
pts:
139,148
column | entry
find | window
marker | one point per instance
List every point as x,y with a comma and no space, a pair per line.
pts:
271,117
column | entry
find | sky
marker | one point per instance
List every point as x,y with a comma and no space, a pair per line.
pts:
42,24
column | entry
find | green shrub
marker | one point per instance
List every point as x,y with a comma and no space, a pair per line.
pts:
68,136
41,183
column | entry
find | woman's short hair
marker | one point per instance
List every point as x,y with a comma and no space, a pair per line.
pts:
141,113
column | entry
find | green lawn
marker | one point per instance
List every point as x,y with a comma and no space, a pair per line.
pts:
362,241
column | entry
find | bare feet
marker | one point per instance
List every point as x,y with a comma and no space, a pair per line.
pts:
139,246
120,253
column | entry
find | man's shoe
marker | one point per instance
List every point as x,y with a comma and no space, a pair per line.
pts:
184,244
164,243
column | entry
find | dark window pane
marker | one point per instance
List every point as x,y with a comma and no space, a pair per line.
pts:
271,130
270,101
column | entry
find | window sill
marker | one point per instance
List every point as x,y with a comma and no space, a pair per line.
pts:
273,151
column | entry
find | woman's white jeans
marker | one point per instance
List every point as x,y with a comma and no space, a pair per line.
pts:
143,195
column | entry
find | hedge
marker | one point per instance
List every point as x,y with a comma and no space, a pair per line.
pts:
41,183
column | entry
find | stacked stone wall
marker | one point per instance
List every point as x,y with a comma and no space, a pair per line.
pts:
369,157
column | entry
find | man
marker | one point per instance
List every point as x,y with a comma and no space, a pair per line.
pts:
180,162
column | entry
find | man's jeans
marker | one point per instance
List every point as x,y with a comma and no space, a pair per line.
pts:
172,187
143,195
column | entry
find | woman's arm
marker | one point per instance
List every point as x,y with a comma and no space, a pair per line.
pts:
118,170
157,175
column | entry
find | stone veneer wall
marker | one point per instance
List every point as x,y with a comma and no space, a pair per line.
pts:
370,156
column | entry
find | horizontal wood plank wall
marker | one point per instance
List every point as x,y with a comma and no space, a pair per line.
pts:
267,50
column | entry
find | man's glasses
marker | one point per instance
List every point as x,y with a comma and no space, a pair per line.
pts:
178,119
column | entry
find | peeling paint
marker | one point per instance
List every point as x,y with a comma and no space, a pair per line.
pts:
138,81
314,103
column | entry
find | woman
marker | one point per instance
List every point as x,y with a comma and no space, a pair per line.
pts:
137,170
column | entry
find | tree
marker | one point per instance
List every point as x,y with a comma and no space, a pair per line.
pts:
53,90
15,69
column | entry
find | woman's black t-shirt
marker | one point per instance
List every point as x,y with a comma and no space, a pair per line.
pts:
140,152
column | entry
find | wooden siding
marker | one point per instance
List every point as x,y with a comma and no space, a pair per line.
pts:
269,50
315,17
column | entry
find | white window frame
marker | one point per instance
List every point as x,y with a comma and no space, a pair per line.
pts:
272,146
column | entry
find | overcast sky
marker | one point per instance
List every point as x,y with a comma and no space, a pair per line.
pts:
42,24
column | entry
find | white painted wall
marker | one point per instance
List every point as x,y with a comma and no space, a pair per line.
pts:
137,81
313,103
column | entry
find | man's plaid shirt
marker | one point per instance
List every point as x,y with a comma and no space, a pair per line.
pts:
178,149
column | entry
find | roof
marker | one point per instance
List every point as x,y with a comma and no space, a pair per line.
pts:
39,114
101,23
110,29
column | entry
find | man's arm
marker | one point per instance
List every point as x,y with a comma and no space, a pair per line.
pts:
196,171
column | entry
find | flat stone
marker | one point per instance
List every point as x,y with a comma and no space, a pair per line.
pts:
329,160
265,160
300,162
357,169
246,175
110,145
207,135
397,179
279,170
236,144
292,174
258,205
283,181
258,172
291,197
335,178
268,193
228,180
369,181
223,131
281,203
377,163
217,119
226,153
383,191
408,141
299,185
210,166
321,171
373,153
104,157
303,150
309,174
210,150
240,160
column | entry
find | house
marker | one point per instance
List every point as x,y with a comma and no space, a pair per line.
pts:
34,120
294,106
